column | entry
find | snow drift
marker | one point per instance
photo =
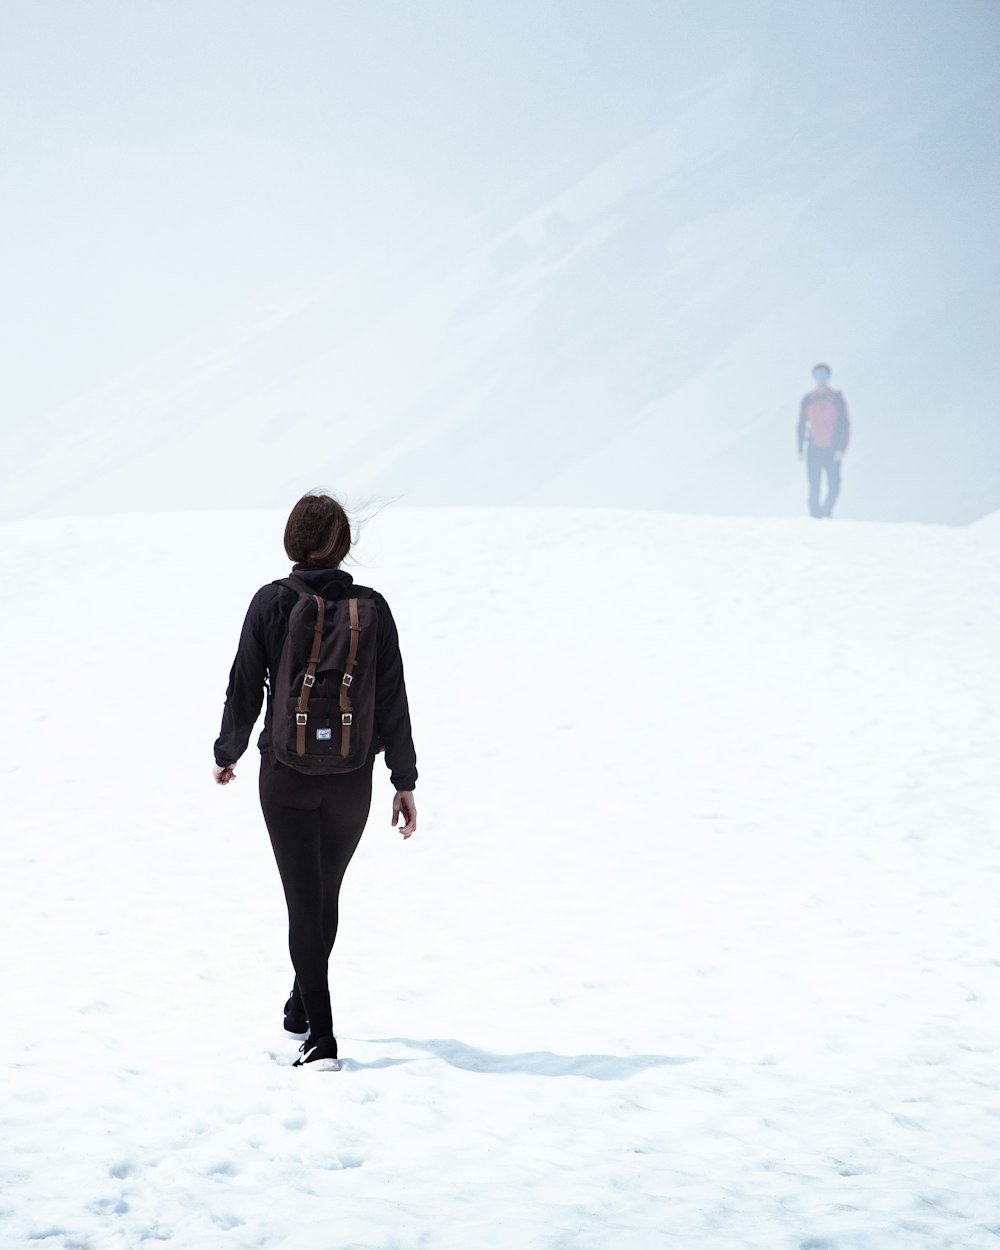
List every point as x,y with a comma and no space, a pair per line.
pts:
695,945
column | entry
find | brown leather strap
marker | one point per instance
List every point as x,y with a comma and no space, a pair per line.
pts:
346,714
302,707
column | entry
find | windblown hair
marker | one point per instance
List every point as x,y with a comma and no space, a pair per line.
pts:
318,532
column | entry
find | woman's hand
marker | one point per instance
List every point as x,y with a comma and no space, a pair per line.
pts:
223,774
404,805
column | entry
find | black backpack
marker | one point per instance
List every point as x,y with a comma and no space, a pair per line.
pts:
323,694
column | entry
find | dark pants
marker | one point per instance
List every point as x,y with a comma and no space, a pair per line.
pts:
315,825
822,460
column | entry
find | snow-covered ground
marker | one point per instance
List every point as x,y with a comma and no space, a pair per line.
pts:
696,946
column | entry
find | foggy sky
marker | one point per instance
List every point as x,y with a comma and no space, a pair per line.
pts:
174,170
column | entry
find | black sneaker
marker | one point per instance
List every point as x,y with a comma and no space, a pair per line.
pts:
320,1055
296,1021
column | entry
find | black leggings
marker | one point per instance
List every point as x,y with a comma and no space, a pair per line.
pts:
315,825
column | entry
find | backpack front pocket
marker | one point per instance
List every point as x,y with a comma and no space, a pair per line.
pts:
315,731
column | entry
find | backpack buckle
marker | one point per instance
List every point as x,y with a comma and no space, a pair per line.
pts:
348,679
347,719
301,718
309,680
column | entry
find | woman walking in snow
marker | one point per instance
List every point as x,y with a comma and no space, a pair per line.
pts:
328,653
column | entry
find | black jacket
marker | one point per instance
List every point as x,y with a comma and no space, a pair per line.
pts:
257,658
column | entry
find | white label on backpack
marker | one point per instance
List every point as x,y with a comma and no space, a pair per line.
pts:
324,735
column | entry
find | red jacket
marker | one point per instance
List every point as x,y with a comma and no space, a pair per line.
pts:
823,420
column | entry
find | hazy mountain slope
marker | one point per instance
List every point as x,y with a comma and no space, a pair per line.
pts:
642,339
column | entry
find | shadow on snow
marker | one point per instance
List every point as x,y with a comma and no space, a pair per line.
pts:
534,1062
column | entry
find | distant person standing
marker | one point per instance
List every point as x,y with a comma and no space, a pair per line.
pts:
823,434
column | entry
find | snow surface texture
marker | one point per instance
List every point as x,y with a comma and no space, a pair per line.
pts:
696,944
